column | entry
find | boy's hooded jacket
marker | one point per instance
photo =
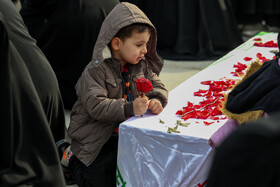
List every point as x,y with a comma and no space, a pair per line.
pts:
100,106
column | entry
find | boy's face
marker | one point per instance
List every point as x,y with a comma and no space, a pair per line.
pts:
133,49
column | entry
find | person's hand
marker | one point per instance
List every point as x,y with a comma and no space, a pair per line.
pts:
155,106
140,105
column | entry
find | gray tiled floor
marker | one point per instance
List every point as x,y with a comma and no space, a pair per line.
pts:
175,72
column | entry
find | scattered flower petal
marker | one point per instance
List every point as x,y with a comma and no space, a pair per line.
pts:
248,58
257,39
207,123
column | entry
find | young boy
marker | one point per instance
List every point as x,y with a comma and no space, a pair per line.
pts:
107,93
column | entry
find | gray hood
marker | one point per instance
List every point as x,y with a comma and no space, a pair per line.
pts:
124,14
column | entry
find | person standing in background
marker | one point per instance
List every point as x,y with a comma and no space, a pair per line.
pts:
41,72
32,113
66,31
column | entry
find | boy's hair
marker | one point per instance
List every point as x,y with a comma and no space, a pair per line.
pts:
127,31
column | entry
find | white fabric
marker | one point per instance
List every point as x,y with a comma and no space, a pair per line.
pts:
149,156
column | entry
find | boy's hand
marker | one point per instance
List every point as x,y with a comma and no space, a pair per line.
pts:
155,106
140,105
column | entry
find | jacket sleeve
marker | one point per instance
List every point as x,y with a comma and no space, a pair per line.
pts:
159,91
92,91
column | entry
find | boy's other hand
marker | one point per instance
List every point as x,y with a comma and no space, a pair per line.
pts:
140,105
155,106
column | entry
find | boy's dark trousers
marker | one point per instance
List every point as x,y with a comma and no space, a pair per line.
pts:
102,171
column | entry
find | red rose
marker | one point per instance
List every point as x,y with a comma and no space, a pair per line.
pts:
143,85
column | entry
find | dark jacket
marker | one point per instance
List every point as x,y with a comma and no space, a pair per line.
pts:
255,94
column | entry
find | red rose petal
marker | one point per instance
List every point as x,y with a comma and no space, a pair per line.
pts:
248,58
259,44
257,39
206,82
207,123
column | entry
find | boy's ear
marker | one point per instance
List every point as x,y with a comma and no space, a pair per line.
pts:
115,43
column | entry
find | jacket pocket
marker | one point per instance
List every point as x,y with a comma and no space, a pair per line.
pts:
114,88
111,82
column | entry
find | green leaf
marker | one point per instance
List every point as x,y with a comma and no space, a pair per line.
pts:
170,130
184,124
174,129
161,121
274,51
